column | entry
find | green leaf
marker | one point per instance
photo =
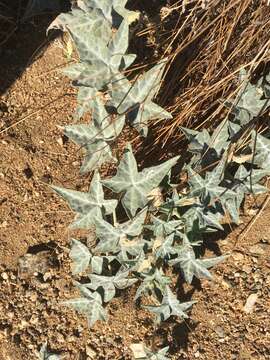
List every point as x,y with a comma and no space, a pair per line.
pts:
112,237
136,186
90,305
99,263
170,306
163,228
132,248
154,282
80,256
208,149
202,215
85,100
248,103
262,151
194,267
246,182
89,205
113,10
109,284
136,100
96,137
164,247
106,62
85,27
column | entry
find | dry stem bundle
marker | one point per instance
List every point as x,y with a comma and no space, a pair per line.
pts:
207,42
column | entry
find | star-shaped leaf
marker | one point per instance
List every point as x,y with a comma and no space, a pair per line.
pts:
135,100
194,267
262,151
87,205
85,27
113,10
163,228
208,149
112,238
96,137
170,306
80,256
164,248
108,284
134,185
105,62
90,305
154,282
249,101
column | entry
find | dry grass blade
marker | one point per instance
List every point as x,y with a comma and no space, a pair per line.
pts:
206,44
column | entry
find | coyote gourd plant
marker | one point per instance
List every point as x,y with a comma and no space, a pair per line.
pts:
150,225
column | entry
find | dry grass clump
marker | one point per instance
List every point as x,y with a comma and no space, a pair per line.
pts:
207,42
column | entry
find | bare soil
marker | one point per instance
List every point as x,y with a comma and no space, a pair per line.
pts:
34,243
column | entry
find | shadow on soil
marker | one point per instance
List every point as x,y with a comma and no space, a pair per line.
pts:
22,39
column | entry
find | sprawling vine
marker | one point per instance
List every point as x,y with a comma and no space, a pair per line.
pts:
162,224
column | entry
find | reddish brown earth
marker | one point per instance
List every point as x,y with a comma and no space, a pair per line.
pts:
34,220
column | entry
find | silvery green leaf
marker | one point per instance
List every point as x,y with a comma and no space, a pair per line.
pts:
154,280
113,10
85,98
190,134
159,355
89,205
204,217
98,263
73,71
199,141
135,185
132,248
85,28
262,151
96,137
80,256
232,205
110,236
219,138
91,306
44,354
247,181
170,306
210,219
164,248
194,267
135,100
104,5
163,228
119,7
208,148
130,264
208,186
104,61
248,103
109,284
233,129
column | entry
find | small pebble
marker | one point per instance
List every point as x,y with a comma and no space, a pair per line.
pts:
4,276
250,303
